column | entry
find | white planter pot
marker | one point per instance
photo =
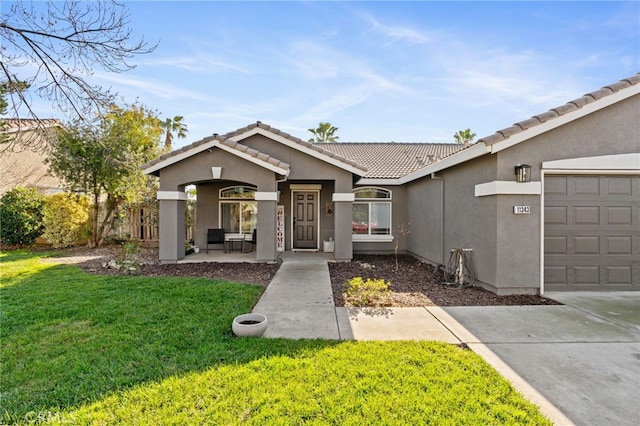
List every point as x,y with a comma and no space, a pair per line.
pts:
249,325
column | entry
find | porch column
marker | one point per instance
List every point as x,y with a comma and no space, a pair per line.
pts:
343,217
266,234
172,225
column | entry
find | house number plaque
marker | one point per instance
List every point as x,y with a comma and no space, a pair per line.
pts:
521,209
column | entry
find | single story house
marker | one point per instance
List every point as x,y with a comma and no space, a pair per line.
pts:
23,155
571,222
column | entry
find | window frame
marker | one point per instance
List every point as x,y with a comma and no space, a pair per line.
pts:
369,202
224,199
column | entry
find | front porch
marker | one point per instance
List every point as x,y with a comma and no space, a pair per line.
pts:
219,256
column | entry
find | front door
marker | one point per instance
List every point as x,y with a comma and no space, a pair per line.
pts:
305,220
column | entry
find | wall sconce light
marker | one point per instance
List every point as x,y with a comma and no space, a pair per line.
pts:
329,209
216,172
523,173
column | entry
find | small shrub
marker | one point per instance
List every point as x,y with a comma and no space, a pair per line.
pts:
129,260
21,216
359,292
66,219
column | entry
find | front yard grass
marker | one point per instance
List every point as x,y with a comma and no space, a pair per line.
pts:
87,349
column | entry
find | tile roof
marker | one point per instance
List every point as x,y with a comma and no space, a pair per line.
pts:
315,147
553,113
15,125
390,159
223,141
376,160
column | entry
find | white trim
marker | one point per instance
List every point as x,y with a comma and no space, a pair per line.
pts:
295,145
216,172
566,118
214,143
542,173
305,187
502,187
343,196
363,238
171,195
266,196
626,162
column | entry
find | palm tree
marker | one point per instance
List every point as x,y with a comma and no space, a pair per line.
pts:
325,133
171,126
464,137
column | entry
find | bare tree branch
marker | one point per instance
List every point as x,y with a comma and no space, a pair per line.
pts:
55,49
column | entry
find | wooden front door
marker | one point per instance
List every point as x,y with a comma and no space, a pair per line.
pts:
305,220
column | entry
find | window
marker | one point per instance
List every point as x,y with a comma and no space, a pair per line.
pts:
372,214
238,210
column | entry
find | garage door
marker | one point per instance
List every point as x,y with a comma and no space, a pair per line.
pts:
591,232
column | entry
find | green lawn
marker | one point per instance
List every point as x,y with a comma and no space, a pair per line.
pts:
85,349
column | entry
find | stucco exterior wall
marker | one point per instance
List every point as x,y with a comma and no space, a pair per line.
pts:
197,169
612,130
470,222
425,214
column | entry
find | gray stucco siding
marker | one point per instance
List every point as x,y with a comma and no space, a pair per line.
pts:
611,130
197,169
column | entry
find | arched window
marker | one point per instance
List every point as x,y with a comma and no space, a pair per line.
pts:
238,192
371,214
238,209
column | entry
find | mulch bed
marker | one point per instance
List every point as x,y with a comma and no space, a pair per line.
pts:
414,283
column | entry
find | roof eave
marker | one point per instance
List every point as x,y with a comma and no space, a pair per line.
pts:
565,118
214,142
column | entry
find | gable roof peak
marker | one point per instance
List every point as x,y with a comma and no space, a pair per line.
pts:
559,111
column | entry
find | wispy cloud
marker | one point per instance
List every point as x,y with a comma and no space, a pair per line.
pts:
395,33
196,63
158,88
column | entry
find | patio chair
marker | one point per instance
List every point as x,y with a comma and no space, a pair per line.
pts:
252,241
215,236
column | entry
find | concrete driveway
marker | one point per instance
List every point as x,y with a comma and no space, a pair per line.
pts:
584,357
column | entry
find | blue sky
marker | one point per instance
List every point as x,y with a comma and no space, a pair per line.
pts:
379,71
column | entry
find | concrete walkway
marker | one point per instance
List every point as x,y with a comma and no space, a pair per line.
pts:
580,362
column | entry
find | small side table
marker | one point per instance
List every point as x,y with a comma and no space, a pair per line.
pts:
229,240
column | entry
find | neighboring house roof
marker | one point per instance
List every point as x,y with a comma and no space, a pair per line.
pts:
391,159
12,125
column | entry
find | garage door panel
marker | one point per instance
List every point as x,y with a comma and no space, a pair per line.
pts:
618,245
620,185
619,274
555,185
555,215
592,232
586,215
587,245
556,245
556,275
619,215
586,186
587,275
